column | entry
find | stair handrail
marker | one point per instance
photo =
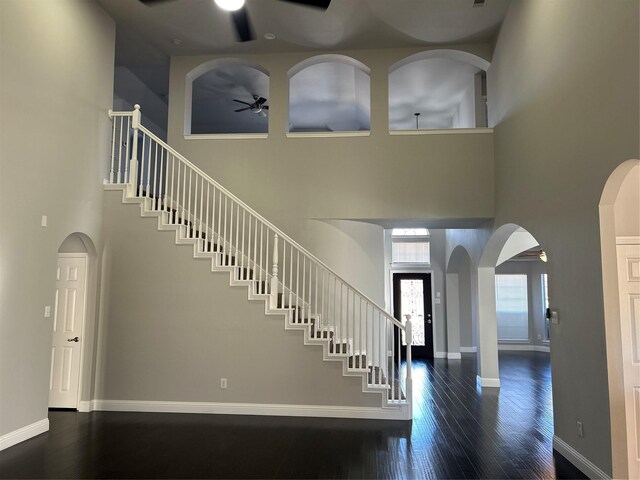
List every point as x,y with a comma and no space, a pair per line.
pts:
280,233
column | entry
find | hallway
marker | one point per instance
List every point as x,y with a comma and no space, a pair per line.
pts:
458,432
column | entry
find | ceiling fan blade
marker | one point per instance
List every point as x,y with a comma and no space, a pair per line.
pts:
244,32
322,4
240,101
262,114
260,100
242,109
265,107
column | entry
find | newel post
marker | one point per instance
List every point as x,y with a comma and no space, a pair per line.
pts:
408,334
133,163
273,301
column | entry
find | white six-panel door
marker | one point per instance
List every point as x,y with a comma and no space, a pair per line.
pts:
629,288
68,320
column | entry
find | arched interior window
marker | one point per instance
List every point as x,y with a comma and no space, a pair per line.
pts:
329,96
410,246
445,92
230,98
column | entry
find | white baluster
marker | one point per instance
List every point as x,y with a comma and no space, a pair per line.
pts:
261,264
120,167
113,146
274,274
242,247
409,382
126,154
201,208
206,237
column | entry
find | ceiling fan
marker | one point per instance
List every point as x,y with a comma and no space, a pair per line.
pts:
240,16
258,106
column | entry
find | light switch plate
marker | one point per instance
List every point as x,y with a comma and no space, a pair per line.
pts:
47,311
44,221
554,317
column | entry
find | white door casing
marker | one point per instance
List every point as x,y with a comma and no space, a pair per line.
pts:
629,289
68,324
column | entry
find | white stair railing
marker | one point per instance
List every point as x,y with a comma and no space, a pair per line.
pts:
352,324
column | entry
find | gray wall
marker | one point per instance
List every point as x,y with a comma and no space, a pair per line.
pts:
171,329
293,180
56,60
563,94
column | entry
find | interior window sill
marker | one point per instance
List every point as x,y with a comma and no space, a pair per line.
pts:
441,131
225,136
358,133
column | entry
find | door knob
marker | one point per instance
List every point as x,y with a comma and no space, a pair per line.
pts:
74,339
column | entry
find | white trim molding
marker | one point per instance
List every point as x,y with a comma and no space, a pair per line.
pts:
514,347
85,406
628,240
349,133
279,410
578,460
468,349
442,131
440,355
225,136
454,356
488,382
24,433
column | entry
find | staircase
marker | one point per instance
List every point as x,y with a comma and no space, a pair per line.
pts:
274,269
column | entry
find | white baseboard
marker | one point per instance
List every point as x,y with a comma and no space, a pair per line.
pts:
24,433
454,356
328,411
440,355
488,382
84,406
577,459
468,349
515,347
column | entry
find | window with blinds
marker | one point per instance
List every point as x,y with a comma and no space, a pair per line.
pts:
410,252
512,310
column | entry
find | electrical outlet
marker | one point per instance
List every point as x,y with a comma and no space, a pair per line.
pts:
580,430
539,337
554,318
47,311
223,383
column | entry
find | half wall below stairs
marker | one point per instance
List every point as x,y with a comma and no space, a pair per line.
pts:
172,329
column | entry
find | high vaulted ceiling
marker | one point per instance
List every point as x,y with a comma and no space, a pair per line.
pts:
149,35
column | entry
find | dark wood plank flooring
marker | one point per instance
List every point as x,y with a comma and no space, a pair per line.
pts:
459,431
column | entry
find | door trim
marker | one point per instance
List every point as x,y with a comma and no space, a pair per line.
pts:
84,316
430,271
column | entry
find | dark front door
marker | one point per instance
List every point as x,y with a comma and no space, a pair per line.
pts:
412,295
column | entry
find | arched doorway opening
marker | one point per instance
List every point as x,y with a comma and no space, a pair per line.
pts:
73,328
506,310
620,251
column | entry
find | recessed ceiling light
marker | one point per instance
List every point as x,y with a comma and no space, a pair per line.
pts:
176,41
230,5
269,36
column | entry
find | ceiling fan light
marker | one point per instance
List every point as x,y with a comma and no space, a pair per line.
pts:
230,5
543,255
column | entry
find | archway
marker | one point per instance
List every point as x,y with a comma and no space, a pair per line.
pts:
438,89
508,241
620,252
329,93
73,325
460,325
216,89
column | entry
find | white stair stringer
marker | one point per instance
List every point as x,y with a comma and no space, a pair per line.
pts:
286,312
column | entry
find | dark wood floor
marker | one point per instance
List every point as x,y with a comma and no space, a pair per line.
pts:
458,431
